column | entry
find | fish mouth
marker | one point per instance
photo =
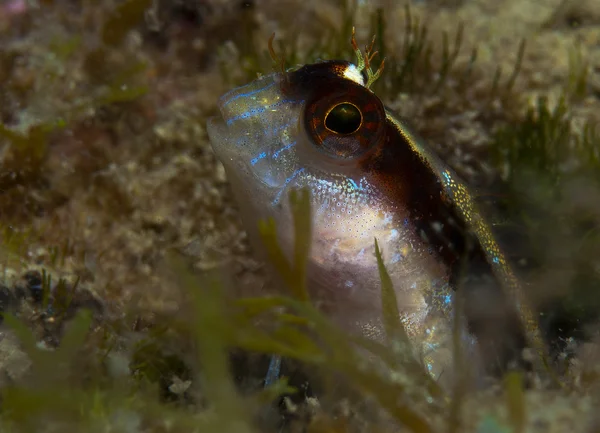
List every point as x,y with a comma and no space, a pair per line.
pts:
247,137
236,107
215,123
223,140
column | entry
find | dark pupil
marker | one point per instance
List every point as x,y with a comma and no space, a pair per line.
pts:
343,119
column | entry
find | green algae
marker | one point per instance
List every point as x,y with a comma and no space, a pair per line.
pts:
411,70
26,154
294,274
546,161
122,19
515,401
394,329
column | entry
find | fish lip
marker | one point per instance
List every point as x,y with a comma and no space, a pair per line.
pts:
219,136
214,121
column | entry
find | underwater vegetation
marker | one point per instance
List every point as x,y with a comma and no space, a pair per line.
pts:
122,256
550,168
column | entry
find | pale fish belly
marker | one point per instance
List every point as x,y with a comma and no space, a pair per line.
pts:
348,215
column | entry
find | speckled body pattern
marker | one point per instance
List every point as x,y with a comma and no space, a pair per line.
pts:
381,181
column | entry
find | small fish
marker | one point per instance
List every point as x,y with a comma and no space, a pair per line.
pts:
370,176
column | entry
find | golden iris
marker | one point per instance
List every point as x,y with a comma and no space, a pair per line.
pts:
344,118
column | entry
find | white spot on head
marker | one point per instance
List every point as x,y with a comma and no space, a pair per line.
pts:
353,74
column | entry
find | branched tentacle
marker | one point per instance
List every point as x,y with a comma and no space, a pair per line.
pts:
363,62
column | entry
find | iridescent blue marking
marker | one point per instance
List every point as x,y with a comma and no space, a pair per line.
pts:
396,257
354,185
358,186
496,260
256,111
244,138
262,155
275,155
273,371
447,299
448,183
431,347
283,149
246,94
287,181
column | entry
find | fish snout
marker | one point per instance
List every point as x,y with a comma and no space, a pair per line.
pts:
249,100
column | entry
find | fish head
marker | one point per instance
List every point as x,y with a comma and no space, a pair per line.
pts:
316,121
320,127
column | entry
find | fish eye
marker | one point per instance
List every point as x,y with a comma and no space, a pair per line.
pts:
344,118
345,121
341,118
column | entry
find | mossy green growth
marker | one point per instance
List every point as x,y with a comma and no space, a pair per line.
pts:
334,43
13,246
22,169
537,143
55,95
424,66
391,315
115,83
50,368
576,85
122,19
64,294
150,363
515,401
121,81
45,395
25,153
294,274
53,396
553,175
411,70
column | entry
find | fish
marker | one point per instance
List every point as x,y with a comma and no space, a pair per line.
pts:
370,176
